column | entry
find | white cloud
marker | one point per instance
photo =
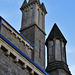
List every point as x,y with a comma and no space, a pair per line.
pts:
72,68
70,49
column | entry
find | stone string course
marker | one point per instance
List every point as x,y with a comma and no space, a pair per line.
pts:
19,59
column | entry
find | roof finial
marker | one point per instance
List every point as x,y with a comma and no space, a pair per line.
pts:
55,24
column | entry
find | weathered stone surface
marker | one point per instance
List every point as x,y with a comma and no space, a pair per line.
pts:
16,41
8,67
33,28
35,35
56,53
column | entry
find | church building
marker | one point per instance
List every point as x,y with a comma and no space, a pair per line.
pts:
23,52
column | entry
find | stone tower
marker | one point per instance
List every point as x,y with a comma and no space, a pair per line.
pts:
33,28
56,53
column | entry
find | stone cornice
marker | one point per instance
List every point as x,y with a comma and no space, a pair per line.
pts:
32,26
19,55
57,65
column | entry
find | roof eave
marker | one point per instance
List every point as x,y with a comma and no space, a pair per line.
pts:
18,50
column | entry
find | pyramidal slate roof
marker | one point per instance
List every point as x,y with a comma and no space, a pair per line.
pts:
55,33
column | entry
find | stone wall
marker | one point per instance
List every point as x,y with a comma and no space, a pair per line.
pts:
15,40
8,67
59,72
29,33
36,37
33,28
39,53
57,50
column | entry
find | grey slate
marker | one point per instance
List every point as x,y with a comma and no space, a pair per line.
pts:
55,33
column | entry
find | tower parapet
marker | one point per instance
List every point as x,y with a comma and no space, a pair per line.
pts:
33,12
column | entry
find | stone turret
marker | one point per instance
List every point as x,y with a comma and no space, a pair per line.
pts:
56,53
33,13
33,28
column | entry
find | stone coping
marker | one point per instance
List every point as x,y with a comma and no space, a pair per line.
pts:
22,38
20,55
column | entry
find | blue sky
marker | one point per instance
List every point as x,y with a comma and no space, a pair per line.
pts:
61,12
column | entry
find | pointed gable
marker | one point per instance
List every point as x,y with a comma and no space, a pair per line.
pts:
24,4
55,33
43,7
